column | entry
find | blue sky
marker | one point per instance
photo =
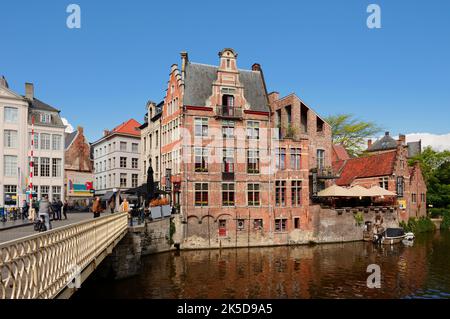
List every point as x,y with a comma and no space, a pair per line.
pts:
103,73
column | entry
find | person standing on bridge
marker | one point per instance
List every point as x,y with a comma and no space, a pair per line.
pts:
44,211
97,207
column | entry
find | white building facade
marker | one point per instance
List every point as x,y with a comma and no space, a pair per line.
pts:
116,157
151,142
16,114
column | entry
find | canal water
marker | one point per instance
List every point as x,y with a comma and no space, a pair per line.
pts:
322,271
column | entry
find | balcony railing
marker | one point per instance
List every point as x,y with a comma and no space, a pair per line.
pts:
229,112
325,173
228,172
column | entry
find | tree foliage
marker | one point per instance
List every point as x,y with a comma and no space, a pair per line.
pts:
436,171
351,132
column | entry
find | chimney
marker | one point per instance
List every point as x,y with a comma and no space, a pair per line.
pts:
29,91
184,61
3,82
105,132
387,133
369,143
402,139
273,96
256,67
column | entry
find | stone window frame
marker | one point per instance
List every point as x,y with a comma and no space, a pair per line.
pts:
134,180
202,191
253,130
45,167
202,154
280,193
280,158
296,193
295,158
135,163
14,115
228,195
320,158
56,167
10,138
123,180
201,127
254,191
253,154
280,225
123,162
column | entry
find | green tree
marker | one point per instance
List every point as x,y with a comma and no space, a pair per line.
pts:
436,171
351,132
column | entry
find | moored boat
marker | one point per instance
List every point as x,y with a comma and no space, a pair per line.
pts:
390,236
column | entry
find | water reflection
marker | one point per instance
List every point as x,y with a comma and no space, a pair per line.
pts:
324,271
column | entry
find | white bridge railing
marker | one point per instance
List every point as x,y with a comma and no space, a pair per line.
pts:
43,265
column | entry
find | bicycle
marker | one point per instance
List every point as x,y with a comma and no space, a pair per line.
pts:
39,225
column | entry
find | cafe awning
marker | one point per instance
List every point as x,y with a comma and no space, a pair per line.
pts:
376,191
359,191
334,191
107,196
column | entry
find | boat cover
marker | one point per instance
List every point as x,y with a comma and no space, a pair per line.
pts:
394,232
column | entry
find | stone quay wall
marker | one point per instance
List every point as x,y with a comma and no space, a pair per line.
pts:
329,226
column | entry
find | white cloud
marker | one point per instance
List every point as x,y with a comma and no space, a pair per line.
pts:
436,141
69,127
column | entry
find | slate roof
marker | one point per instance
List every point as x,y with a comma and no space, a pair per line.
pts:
385,143
36,108
69,138
363,167
200,77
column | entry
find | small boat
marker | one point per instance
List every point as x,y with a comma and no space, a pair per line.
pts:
409,236
390,236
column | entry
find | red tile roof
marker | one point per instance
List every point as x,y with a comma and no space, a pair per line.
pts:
340,152
363,167
130,127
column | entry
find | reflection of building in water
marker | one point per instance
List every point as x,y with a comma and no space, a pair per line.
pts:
331,271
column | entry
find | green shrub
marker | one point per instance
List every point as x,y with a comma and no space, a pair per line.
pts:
359,218
436,212
421,225
172,231
446,219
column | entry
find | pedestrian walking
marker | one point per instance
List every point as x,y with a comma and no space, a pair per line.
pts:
44,211
65,209
97,207
55,209
25,209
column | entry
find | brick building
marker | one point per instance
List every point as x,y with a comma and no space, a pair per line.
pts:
239,162
78,168
386,164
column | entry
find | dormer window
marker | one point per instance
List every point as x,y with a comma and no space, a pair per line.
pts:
46,118
228,100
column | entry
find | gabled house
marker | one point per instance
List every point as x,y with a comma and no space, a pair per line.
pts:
78,169
20,173
386,164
